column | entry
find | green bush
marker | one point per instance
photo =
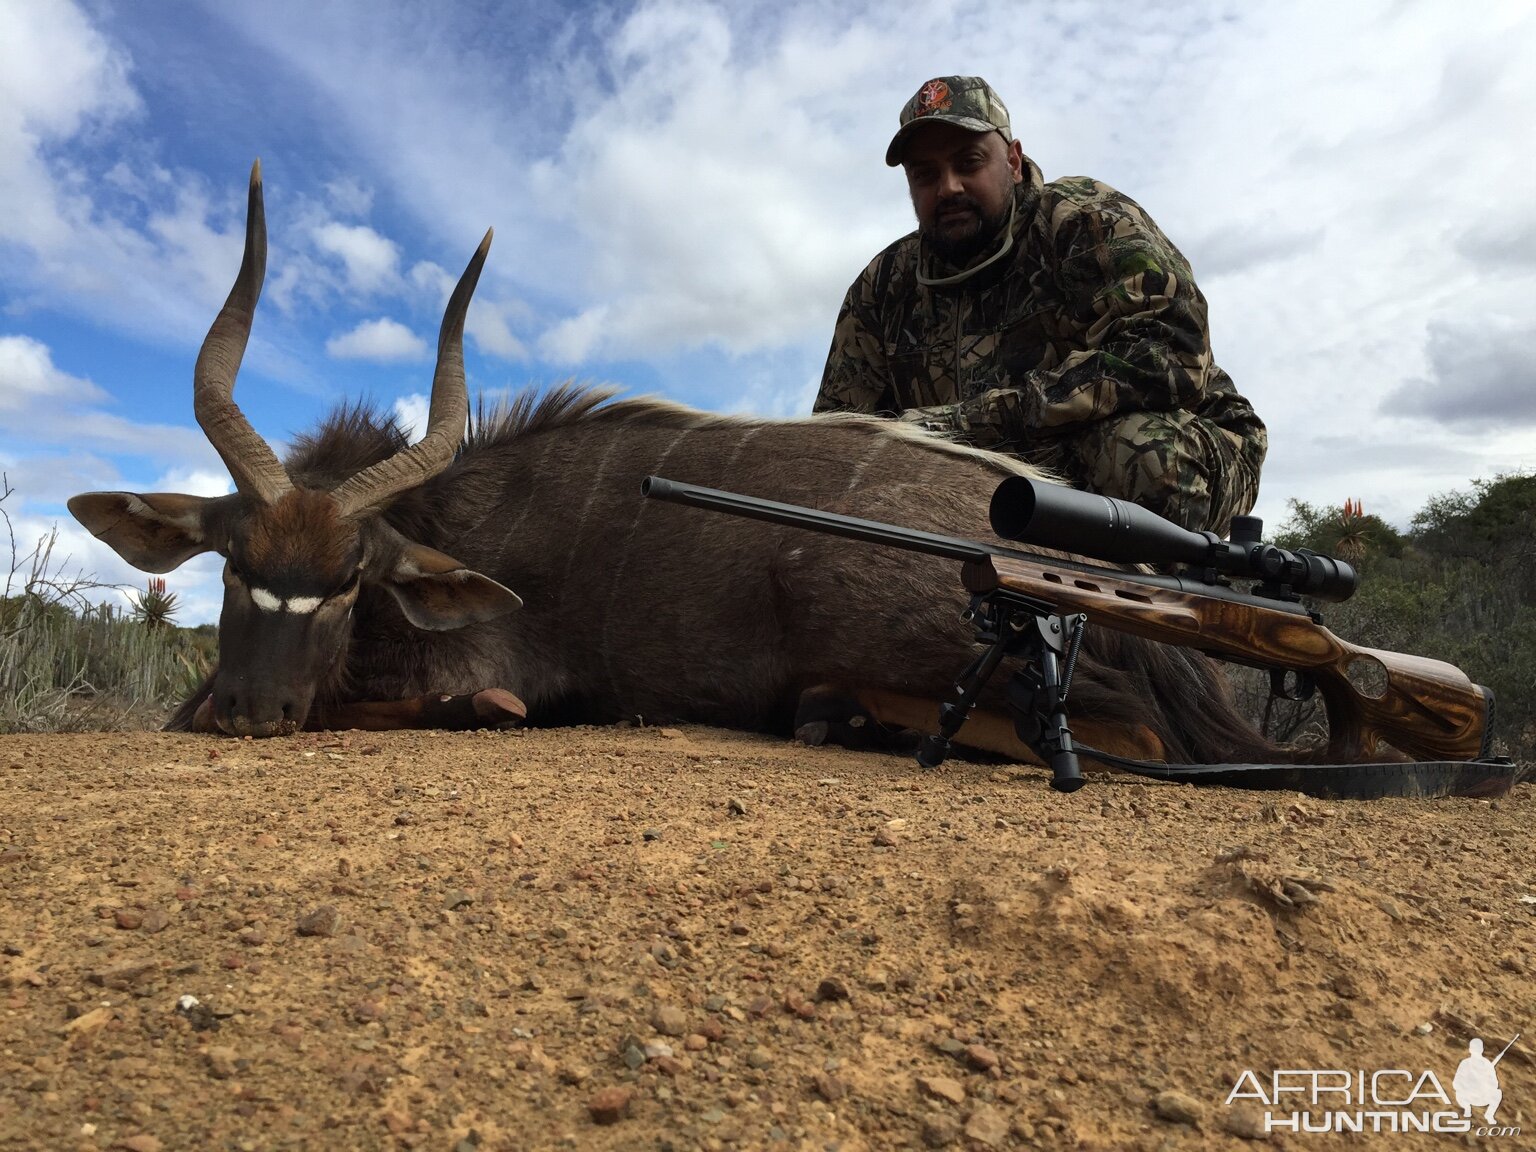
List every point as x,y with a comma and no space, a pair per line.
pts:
90,669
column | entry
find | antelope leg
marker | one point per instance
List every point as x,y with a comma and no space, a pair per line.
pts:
986,731
828,714
488,708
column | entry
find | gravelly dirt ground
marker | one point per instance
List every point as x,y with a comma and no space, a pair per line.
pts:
719,941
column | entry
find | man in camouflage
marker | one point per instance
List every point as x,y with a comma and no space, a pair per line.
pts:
1052,321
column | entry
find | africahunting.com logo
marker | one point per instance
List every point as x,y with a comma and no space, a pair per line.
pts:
1304,1100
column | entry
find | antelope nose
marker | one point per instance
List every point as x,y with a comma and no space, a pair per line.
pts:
241,725
246,716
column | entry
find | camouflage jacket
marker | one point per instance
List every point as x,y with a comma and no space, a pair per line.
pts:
1092,317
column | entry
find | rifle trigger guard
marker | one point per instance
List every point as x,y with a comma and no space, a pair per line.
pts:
1283,687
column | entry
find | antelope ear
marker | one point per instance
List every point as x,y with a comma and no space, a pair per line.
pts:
154,532
436,592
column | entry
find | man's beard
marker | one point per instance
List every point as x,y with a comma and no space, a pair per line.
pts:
960,248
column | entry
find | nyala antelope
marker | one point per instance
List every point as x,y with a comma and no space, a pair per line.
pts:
367,579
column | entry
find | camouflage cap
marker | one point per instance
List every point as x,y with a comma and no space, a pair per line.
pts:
967,101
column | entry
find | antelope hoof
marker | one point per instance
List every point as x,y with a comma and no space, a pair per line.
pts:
203,721
813,734
829,717
498,708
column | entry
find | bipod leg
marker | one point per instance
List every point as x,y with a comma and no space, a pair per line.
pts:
934,749
1001,620
1055,737
1039,697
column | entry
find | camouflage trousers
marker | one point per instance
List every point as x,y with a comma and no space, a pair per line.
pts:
1184,467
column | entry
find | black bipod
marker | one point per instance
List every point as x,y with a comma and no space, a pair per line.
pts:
1012,624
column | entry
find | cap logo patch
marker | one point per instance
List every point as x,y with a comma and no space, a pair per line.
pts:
933,97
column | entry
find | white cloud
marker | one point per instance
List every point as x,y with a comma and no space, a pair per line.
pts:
48,480
1239,246
194,482
489,326
371,261
43,405
97,228
163,279
411,414
780,393
382,340
431,280
196,256
57,73
489,322
574,339
719,202
107,432
1480,378
61,79
28,375
1332,208
348,196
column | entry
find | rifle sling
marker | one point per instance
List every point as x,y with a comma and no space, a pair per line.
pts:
1484,777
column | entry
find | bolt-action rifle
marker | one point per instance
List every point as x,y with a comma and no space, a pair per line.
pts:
1035,607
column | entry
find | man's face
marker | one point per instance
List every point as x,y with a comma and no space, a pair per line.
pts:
962,186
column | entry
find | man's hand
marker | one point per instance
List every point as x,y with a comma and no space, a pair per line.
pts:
957,421
935,418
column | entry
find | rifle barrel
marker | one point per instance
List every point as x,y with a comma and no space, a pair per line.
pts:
795,516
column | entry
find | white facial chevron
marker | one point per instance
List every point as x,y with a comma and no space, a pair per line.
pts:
297,604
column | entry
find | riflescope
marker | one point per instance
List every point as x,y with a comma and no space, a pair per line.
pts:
1104,528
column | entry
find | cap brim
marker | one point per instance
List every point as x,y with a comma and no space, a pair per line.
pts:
970,123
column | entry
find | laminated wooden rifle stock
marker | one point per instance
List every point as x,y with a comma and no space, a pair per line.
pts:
1426,709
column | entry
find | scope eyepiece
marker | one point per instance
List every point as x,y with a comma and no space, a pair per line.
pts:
1326,578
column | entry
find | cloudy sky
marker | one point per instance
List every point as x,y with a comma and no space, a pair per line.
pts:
682,191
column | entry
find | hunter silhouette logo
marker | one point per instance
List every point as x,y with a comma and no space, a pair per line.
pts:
1477,1080
1317,1100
